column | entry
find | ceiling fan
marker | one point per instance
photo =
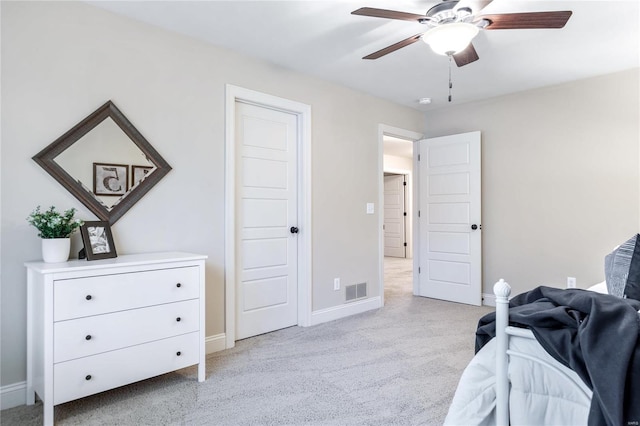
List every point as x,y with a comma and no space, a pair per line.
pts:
452,24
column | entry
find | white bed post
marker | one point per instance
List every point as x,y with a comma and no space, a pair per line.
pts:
501,289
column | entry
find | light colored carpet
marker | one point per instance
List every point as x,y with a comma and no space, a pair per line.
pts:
398,365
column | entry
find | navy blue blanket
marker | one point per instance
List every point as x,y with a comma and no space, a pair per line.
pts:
595,335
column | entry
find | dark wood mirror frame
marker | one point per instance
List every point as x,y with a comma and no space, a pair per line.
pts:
46,159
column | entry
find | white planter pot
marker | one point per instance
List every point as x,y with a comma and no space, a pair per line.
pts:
56,250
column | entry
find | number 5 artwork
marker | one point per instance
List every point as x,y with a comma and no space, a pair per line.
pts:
110,179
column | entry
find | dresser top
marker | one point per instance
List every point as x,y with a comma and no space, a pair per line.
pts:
123,260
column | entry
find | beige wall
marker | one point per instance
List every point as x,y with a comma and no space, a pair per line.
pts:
560,174
62,60
395,164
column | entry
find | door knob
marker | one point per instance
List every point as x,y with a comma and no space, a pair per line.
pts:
293,230
474,226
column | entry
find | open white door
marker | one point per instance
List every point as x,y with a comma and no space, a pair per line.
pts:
449,228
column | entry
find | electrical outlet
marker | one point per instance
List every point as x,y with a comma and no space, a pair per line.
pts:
370,208
571,282
336,283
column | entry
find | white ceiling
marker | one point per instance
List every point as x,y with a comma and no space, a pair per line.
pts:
323,39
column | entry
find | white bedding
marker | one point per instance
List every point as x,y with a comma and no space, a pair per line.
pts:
539,395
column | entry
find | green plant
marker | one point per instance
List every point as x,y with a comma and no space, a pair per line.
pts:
52,224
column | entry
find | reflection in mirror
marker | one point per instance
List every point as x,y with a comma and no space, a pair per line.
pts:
93,159
105,162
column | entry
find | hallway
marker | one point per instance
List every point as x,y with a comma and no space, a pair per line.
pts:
398,277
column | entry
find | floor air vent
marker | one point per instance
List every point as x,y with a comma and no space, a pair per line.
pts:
356,291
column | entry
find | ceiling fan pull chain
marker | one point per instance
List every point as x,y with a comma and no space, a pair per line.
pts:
450,83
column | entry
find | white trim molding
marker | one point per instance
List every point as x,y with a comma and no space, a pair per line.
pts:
13,395
215,343
343,311
303,112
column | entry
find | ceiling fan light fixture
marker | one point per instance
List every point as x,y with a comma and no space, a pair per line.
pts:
449,39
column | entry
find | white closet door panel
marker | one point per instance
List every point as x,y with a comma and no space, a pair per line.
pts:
265,293
269,213
449,271
266,289
448,213
262,129
265,253
449,242
260,173
448,155
450,184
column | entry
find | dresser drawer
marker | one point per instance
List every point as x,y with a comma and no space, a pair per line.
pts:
101,333
81,297
97,373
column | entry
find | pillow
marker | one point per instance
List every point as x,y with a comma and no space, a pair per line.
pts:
622,269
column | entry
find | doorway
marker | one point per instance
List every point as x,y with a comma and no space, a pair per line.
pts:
396,179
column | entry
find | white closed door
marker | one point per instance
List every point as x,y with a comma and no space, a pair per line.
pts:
450,244
266,258
394,216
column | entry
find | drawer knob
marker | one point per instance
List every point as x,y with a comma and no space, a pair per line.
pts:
178,353
88,337
178,285
178,319
88,297
88,377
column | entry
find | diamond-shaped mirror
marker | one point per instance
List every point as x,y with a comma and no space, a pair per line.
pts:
104,162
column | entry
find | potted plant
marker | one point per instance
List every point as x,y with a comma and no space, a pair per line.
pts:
55,229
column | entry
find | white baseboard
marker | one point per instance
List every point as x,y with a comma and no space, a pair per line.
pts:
342,311
13,395
488,299
215,343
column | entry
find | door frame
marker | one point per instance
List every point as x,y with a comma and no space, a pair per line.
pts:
303,112
385,130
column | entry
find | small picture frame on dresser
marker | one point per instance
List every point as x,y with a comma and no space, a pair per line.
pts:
97,240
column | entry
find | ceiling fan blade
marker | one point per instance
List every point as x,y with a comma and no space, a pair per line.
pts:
466,56
530,20
394,47
475,5
389,14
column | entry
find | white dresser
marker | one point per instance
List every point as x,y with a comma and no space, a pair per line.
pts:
97,325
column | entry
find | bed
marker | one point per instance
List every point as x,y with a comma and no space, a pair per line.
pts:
577,362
